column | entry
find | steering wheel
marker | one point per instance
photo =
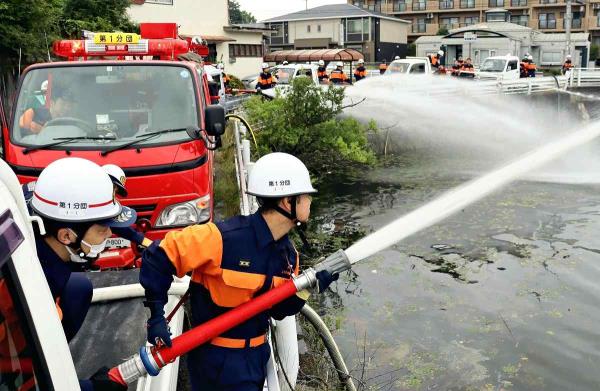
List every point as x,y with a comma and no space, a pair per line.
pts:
85,126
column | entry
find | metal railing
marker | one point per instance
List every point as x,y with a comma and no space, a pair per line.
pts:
584,77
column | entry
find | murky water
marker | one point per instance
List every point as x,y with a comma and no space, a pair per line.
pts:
501,295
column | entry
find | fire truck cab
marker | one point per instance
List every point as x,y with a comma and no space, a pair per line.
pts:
124,99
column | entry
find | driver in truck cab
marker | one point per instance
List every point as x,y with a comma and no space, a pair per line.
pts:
59,105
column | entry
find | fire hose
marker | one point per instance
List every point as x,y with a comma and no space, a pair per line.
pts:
150,360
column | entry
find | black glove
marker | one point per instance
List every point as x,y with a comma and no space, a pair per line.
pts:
324,279
158,329
102,382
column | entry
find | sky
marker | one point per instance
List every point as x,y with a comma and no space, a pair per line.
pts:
265,9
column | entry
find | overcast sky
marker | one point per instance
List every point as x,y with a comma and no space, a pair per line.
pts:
265,9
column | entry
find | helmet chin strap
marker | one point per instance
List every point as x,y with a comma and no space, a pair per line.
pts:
301,227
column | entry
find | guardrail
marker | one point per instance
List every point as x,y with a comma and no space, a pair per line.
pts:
584,77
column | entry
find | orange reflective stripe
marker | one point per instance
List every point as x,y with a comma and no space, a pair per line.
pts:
234,343
58,309
194,247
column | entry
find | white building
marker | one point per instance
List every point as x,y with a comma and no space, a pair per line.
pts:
239,47
483,40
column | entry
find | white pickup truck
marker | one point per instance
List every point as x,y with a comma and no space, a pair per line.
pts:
410,65
499,68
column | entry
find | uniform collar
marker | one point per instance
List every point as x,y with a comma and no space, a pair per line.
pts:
264,237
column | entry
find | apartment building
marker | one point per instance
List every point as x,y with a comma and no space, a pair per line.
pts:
377,36
429,17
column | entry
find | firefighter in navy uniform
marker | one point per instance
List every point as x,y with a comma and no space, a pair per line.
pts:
360,72
266,80
75,199
337,76
322,73
230,263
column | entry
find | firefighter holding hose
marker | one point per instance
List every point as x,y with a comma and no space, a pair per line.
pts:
232,262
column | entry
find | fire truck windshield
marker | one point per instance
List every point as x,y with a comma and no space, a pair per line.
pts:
104,106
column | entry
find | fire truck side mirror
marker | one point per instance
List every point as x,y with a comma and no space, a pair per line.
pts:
214,120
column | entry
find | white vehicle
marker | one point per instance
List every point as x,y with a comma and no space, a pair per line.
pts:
410,65
286,73
499,68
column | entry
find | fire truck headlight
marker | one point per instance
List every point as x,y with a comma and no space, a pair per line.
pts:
185,213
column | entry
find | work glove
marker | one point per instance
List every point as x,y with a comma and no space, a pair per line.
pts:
102,382
324,279
158,329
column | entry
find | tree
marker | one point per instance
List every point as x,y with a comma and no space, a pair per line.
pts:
442,31
239,16
95,15
305,124
25,28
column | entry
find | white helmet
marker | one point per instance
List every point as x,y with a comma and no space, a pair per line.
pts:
44,86
321,62
397,58
279,175
77,190
284,63
339,64
265,65
530,57
440,52
118,178
361,61
568,56
220,66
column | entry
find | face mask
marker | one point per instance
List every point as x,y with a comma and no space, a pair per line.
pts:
95,249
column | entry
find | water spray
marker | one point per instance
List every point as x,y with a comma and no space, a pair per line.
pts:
150,360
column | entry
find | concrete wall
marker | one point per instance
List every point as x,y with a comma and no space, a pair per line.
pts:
194,17
393,31
330,28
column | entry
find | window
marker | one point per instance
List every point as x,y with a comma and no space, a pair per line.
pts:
318,28
518,3
522,20
512,65
399,6
308,28
279,33
575,21
357,30
239,50
417,68
495,17
449,23
552,57
547,21
166,2
122,104
496,3
419,5
548,1
467,3
446,4
469,20
419,26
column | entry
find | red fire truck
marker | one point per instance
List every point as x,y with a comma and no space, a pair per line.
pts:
125,99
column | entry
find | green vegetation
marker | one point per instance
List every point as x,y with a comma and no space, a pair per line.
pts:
594,51
304,123
237,15
442,31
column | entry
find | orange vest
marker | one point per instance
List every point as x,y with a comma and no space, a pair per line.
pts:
265,79
337,76
434,60
360,72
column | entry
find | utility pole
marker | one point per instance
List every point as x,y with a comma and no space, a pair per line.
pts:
568,19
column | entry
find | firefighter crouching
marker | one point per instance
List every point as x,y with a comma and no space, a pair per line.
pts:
337,76
232,262
75,199
360,72
322,73
266,80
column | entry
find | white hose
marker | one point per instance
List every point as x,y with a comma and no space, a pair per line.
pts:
334,352
131,291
